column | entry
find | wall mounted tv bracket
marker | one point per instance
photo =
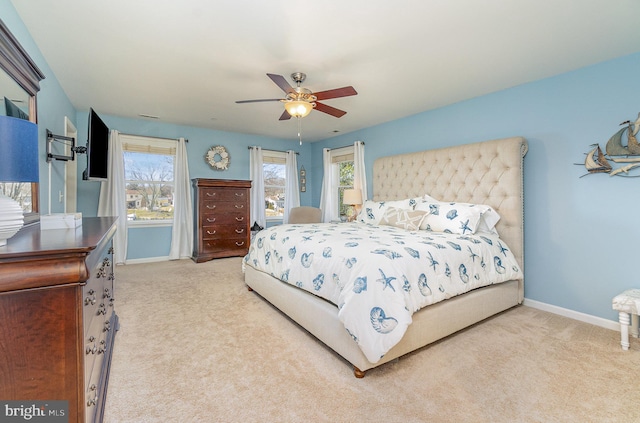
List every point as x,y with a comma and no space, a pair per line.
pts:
69,141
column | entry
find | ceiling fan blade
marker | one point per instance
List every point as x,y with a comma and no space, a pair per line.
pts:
258,101
285,116
335,93
281,82
329,110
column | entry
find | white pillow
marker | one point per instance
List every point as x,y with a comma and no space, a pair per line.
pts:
372,211
488,221
407,219
458,218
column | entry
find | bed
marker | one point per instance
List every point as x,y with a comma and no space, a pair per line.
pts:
486,173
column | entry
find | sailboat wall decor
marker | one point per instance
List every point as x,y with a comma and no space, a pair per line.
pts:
598,162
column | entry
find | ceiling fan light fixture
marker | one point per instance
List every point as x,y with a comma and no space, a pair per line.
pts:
298,109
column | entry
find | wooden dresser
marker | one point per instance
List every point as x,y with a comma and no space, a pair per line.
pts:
222,218
57,317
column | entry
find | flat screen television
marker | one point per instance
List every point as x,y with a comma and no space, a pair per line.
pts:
97,149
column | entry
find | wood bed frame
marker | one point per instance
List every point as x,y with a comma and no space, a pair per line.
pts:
489,172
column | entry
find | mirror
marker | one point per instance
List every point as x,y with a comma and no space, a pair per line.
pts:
19,82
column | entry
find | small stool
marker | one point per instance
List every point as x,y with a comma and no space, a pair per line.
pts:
627,303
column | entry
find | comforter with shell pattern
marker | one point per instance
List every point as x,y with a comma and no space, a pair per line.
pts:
378,276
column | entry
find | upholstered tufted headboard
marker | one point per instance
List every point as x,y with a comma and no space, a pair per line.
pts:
489,172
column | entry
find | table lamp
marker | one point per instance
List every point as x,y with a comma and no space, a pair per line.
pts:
18,163
352,197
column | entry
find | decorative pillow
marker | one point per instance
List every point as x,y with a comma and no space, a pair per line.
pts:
406,219
458,218
372,211
488,221
413,202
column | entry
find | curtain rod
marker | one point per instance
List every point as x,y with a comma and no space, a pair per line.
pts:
277,151
149,136
344,146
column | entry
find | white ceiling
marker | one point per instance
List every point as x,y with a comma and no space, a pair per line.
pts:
188,61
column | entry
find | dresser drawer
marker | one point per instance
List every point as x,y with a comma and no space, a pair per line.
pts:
93,392
224,231
225,244
227,218
224,194
213,206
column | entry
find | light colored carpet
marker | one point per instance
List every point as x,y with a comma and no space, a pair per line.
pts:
196,346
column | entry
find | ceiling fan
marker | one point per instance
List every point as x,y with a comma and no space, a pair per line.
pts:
299,101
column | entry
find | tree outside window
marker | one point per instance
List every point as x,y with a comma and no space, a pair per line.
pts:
20,192
346,172
149,186
274,184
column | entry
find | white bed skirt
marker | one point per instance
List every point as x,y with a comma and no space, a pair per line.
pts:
430,324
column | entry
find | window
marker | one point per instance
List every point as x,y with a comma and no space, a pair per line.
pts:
274,168
342,159
345,182
20,192
148,174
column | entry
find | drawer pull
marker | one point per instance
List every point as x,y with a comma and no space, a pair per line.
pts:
211,232
210,220
91,298
210,194
239,244
101,273
239,206
240,219
239,231
211,207
239,194
92,401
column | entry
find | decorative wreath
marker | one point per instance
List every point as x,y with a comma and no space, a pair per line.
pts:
217,157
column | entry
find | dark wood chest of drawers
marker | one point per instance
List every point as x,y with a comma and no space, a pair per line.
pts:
222,218
57,317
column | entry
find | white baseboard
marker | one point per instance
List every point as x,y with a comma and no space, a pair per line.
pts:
147,260
587,318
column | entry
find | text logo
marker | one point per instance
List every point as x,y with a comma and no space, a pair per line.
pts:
34,411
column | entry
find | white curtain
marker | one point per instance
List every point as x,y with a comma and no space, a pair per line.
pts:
360,175
291,191
112,200
329,194
182,231
256,175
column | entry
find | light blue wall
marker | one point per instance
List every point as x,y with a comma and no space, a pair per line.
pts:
581,234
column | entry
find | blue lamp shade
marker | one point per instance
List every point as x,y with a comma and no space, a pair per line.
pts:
18,150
